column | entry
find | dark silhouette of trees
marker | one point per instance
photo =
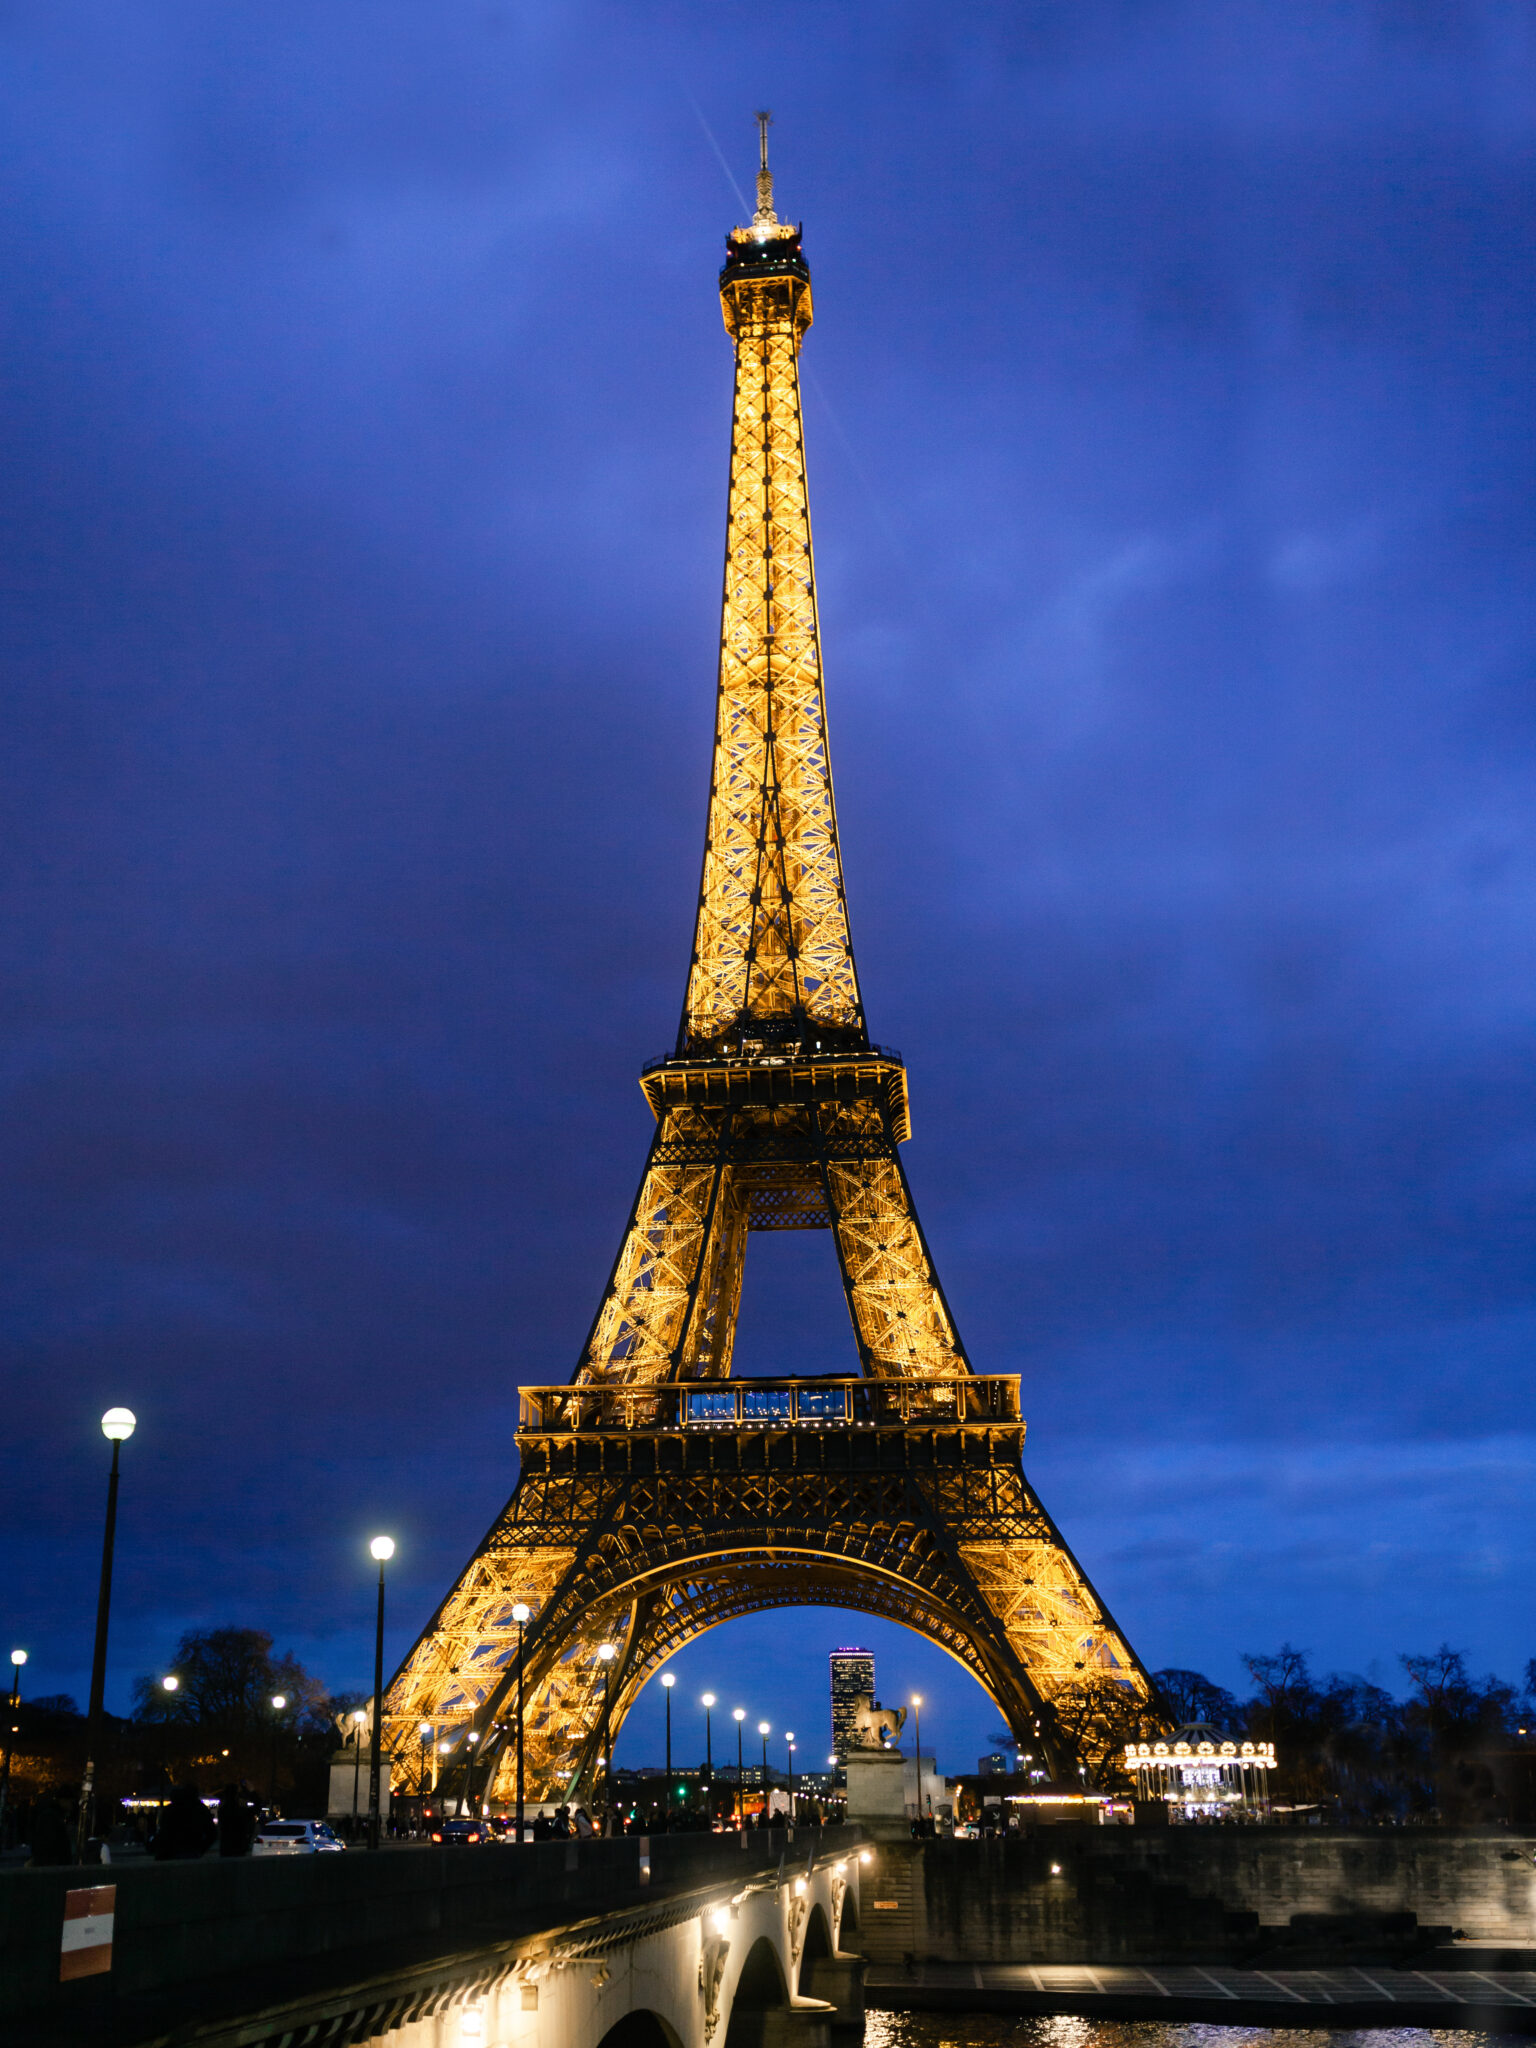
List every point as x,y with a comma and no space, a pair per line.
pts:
1349,1749
219,1723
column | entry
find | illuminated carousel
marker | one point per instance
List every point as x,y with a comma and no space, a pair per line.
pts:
1200,1774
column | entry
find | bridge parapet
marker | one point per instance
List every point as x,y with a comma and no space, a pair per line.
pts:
258,1950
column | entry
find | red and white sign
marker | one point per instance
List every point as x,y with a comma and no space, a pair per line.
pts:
85,1949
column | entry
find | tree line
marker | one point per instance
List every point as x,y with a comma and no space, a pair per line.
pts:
1454,1748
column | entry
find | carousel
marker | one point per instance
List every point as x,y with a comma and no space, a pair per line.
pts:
1200,1774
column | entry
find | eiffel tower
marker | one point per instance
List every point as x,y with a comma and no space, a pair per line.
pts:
658,1496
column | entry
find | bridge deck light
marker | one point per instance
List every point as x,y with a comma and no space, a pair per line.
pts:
866,1855
720,1920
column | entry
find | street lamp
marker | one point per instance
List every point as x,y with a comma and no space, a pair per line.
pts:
765,1731
789,1744
170,1682
424,1736
605,1656
738,1715
668,1680
706,1701
382,1548
917,1737
359,1717
279,1701
117,1425
18,1658
522,1615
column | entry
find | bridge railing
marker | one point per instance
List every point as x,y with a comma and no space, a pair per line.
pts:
788,1403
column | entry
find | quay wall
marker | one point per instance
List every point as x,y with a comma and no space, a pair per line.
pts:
1086,1894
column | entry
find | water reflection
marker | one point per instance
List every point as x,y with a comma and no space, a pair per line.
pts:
1003,2030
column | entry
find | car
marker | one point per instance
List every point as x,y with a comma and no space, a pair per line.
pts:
459,1833
294,1838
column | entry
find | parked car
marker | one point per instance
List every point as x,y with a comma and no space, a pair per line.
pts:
457,1833
294,1838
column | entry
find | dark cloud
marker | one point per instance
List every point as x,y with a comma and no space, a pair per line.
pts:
1171,440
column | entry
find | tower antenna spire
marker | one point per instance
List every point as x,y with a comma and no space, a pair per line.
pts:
765,217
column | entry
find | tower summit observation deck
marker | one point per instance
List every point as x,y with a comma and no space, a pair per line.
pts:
658,1496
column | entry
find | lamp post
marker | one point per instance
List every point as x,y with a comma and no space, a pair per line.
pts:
605,1657
707,1700
382,1548
668,1680
522,1615
279,1701
739,1714
18,1658
359,1717
765,1731
789,1744
117,1425
917,1737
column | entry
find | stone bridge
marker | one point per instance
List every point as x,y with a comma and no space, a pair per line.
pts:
673,1941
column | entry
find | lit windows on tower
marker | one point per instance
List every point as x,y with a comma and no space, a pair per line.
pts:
853,1679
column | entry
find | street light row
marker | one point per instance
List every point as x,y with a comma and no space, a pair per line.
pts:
118,1425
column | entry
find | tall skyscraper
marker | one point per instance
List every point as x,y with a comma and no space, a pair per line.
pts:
853,1679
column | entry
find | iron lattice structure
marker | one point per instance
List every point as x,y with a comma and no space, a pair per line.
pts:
657,1496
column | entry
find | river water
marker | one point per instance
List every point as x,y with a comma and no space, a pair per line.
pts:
1001,2030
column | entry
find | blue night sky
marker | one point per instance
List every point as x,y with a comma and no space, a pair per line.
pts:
1171,430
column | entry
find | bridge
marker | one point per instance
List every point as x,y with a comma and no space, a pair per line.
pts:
778,1939
680,1941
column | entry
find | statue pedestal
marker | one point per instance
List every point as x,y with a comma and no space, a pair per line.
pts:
877,1793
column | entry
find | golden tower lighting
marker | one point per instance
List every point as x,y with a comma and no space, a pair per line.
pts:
659,1496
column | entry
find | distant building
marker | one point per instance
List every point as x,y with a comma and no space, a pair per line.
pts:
853,1679
994,1766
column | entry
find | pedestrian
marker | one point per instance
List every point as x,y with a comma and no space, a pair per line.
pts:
50,1835
186,1830
237,1822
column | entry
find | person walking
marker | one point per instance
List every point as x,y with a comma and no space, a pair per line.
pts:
51,1842
187,1830
237,1822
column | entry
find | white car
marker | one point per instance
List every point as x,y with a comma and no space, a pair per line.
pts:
294,1838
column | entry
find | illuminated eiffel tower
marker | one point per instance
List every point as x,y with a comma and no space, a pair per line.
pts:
658,1496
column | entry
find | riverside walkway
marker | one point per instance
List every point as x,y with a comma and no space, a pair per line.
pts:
1465,1996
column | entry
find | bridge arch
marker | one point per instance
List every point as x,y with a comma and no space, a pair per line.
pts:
761,1990
641,2028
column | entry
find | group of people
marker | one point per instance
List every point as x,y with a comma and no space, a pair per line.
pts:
183,1828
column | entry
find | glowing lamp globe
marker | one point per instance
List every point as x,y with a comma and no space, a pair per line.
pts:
382,1547
118,1424
522,1615
18,1658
